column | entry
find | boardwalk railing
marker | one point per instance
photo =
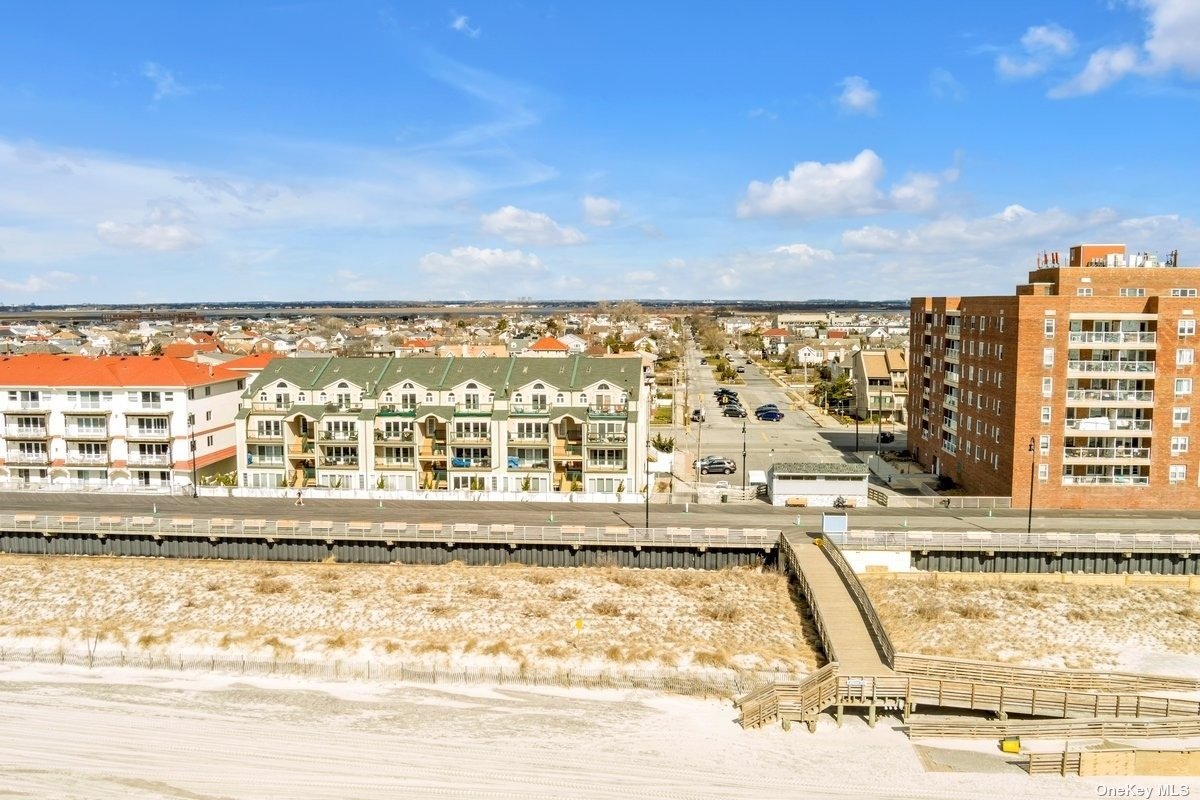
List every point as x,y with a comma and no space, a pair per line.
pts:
865,606
1080,680
791,567
388,532
995,541
1171,727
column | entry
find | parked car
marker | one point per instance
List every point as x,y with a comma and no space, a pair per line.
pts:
766,407
708,459
697,415
887,437
741,370
728,400
769,416
704,362
733,411
724,466
724,393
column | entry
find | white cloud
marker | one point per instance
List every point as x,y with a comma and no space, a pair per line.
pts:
462,24
600,211
165,83
945,86
1041,46
763,113
1173,43
857,96
38,283
749,269
474,261
147,236
845,188
529,227
350,281
1013,225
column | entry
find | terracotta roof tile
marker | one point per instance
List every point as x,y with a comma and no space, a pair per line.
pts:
116,371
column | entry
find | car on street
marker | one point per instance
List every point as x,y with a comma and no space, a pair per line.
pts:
704,362
769,415
733,411
766,407
728,400
697,415
722,466
723,392
886,437
741,370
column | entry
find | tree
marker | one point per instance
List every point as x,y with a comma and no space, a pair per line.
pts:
502,325
834,393
156,349
713,339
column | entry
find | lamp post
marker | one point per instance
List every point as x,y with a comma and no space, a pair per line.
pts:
191,419
1032,454
743,458
879,413
649,388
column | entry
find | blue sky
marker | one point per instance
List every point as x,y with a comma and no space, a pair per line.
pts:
356,150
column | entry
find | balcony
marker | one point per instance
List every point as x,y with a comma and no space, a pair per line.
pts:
533,438
394,463
1107,426
435,449
148,434
23,432
1106,453
340,461
154,406
32,405
525,464
259,436
615,411
397,411
86,459
150,459
951,378
606,466
949,424
86,433
270,408
1121,366
953,331
27,458
1105,480
92,407
597,437
952,356
462,462
338,436
528,411
394,435
950,401
301,448
478,437
1113,338
343,408
473,410
1116,397
568,452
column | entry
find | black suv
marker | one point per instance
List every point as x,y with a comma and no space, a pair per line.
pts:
733,411
724,466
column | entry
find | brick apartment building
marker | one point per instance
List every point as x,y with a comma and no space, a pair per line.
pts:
1085,380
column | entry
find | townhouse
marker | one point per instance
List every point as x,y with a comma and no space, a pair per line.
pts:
115,419
507,424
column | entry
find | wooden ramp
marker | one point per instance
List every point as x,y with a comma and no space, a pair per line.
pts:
843,627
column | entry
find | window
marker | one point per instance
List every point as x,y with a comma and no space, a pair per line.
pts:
191,394
1044,444
207,391
1047,356
208,416
1185,356
208,441
1187,327
1048,328
1045,415
1183,293
1084,291
1000,349
1183,387
1047,387
1043,472
1177,474
1179,444
1181,416
1127,291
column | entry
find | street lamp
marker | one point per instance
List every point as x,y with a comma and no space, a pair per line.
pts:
743,458
649,388
879,412
191,419
1032,453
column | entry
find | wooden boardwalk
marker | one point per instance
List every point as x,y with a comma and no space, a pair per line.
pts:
842,624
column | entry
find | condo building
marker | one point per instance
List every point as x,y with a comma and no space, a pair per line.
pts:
1079,391
518,424
138,420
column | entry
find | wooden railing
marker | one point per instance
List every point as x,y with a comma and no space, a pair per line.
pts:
1040,702
1054,728
222,527
791,567
1080,680
865,606
1006,541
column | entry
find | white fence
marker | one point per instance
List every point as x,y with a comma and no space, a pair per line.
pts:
994,541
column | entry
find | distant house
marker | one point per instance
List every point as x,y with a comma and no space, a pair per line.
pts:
548,347
575,344
775,340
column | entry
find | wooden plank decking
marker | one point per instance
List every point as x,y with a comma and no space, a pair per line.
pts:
849,636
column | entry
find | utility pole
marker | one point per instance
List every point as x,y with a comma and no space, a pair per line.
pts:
743,459
191,420
1032,469
879,435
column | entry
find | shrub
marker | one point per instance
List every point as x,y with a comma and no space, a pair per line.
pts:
606,608
972,610
723,612
270,585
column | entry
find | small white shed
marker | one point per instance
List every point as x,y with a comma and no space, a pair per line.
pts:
818,484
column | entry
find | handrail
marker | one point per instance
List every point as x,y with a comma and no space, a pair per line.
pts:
792,567
859,593
325,530
971,669
1014,541
1055,728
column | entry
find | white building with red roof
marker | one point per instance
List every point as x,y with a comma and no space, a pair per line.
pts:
122,420
548,347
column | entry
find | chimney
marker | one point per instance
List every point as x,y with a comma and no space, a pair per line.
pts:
210,370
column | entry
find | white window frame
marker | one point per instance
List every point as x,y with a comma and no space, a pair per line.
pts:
1047,356
1046,415
1185,357
1186,327
1047,387
1183,387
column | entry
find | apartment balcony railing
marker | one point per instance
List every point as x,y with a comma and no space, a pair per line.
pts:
478,438
394,436
148,405
953,331
27,458
397,411
594,437
1105,480
605,466
343,408
394,463
149,459
536,438
32,405
528,411
617,411
952,356
253,460
1107,396
468,409
86,433
338,436
569,451
340,461
462,462
950,401
86,458
76,408
301,448
1106,453
20,432
951,379
433,449
270,407
949,424
1103,425
1121,365
148,434
258,436
1111,337
949,447
528,463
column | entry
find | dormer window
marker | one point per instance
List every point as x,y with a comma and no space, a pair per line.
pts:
262,397
558,398
343,385
429,397
281,385
387,397
323,397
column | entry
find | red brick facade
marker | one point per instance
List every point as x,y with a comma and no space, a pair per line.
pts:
1093,364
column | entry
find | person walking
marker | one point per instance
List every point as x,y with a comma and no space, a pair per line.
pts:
300,497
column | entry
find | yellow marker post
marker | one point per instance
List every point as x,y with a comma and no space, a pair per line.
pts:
579,625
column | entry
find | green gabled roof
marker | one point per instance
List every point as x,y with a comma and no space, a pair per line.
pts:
820,468
367,414
316,412
444,413
499,375
558,412
243,413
